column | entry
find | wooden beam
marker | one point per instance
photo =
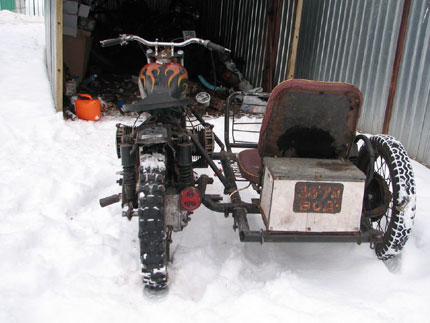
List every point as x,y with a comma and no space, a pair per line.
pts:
295,40
396,66
273,23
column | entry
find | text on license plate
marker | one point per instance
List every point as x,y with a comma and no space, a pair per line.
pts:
317,197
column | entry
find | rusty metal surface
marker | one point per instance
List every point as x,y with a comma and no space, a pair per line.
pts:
313,169
326,237
396,65
310,119
273,23
312,197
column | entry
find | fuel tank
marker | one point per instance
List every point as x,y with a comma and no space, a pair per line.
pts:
169,79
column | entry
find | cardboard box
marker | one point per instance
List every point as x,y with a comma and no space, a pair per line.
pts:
70,20
70,25
83,11
70,31
76,53
70,7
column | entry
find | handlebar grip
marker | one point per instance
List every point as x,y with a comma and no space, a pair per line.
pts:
217,48
111,42
110,200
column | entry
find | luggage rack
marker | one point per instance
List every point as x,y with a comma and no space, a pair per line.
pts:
252,104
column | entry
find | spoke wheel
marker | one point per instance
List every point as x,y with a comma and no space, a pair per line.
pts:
153,234
389,199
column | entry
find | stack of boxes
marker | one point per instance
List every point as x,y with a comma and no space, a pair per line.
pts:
77,28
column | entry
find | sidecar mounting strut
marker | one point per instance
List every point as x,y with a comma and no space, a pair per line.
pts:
267,236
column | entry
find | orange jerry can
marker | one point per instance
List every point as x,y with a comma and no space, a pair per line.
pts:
88,108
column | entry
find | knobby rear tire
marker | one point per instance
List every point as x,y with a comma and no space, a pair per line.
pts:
392,166
152,229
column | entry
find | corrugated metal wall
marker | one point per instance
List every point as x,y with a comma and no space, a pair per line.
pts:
54,57
284,44
159,5
34,7
240,25
355,42
410,121
20,6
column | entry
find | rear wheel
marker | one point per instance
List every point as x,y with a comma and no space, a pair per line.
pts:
153,233
389,199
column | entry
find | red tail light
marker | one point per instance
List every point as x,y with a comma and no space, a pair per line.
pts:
227,75
190,198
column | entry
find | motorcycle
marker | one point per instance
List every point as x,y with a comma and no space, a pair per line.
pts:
315,184
158,184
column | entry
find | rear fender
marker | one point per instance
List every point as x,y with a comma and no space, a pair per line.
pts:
153,134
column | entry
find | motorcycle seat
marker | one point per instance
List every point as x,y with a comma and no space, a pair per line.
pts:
249,162
157,100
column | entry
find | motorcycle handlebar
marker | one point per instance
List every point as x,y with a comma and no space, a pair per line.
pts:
123,39
111,42
218,48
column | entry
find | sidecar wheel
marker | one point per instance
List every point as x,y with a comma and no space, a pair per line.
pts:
153,234
389,200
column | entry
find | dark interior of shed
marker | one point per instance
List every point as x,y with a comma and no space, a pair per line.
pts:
111,73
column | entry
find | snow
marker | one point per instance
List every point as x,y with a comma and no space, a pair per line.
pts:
155,161
65,259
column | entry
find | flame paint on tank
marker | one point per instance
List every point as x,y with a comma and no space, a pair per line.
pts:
148,70
163,77
177,69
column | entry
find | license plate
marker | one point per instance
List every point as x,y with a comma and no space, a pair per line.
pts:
188,34
318,197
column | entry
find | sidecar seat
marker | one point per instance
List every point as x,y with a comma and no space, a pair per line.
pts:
305,119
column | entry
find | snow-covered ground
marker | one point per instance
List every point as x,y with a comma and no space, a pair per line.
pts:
65,259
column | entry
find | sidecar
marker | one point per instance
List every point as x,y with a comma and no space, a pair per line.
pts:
314,182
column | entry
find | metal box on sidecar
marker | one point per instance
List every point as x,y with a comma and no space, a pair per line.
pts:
325,195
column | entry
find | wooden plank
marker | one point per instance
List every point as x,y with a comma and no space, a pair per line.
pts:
273,24
295,41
